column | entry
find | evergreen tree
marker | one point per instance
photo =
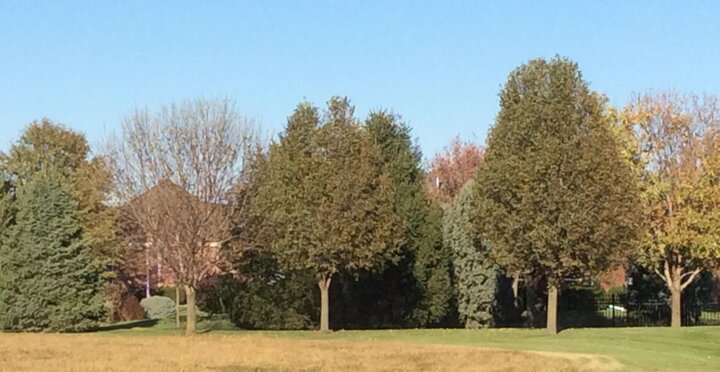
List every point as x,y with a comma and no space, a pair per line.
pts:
48,145
432,271
50,281
555,195
416,291
476,275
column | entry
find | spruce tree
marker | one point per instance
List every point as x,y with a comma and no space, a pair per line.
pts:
45,144
50,281
476,274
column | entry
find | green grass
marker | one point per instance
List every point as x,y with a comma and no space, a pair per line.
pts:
653,349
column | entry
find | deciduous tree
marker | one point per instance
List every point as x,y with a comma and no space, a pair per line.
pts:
176,174
678,147
326,200
555,195
449,170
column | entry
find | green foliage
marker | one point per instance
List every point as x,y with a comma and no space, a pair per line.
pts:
265,298
50,281
476,274
47,145
158,307
416,290
432,272
336,212
44,145
555,195
7,212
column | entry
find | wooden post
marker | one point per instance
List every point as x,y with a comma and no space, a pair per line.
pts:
177,306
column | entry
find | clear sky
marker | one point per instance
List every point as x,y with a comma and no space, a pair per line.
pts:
439,64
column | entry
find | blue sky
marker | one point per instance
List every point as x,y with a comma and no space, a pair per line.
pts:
439,64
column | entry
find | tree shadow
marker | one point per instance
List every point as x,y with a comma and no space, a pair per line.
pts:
142,323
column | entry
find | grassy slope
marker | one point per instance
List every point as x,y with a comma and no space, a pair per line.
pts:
687,349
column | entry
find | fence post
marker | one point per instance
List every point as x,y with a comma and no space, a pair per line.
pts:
612,300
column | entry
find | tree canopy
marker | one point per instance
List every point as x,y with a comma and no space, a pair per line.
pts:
677,142
326,199
555,196
50,281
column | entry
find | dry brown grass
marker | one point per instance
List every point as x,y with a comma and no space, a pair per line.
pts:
226,353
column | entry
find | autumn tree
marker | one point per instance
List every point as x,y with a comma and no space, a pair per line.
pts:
678,149
555,196
327,203
450,169
175,175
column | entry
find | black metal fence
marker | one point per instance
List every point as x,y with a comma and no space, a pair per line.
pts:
610,311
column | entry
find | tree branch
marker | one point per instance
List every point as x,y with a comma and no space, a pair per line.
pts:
693,274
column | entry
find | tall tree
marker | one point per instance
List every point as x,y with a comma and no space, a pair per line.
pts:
259,293
475,272
175,175
555,195
50,281
48,145
678,147
416,290
449,170
326,201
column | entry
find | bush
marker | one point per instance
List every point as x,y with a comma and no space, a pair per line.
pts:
129,308
158,307
266,298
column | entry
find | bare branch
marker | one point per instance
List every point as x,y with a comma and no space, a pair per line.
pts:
176,173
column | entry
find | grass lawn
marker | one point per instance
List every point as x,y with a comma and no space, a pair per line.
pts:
158,346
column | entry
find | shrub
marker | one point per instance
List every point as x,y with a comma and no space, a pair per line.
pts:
265,298
158,307
130,308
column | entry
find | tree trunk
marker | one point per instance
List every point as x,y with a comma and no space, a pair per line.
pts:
530,300
147,274
515,288
552,327
324,285
676,304
190,322
177,306
673,275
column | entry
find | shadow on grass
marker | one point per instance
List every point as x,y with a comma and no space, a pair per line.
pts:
142,323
